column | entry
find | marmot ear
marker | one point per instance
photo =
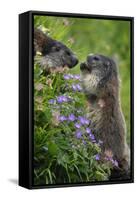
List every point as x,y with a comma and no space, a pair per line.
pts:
41,40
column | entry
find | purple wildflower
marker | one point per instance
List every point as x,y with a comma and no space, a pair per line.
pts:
65,99
66,76
111,159
87,121
62,118
79,88
71,76
76,76
71,117
83,120
115,163
92,137
78,134
74,87
61,99
97,157
88,130
51,101
77,125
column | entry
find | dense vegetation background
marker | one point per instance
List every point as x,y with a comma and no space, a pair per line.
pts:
83,36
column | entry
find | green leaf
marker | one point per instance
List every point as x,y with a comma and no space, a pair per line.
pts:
53,149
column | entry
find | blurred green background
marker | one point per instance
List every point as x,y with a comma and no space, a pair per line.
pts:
84,36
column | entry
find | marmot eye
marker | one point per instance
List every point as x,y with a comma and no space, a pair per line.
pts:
68,53
56,48
96,58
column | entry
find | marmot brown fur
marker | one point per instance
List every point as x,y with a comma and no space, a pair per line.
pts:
100,81
53,53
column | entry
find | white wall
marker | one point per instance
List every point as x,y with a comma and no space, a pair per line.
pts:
9,11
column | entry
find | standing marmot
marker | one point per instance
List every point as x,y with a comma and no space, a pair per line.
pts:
101,86
53,53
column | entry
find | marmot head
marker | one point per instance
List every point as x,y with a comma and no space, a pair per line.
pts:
99,74
53,53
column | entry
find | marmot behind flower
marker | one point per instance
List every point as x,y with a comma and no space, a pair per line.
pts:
101,86
53,54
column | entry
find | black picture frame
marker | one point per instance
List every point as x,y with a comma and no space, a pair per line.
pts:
26,87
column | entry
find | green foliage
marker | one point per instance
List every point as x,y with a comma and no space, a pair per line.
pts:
59,156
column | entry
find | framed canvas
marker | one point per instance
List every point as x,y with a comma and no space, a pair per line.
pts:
76,99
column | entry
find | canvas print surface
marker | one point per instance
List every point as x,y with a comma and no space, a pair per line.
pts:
81,100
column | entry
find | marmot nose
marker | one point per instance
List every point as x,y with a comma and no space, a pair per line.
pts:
74,61
91,58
